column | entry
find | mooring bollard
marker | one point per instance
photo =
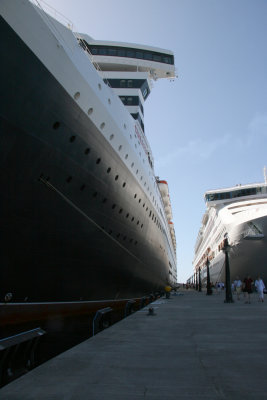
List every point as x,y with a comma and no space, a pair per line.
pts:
101,318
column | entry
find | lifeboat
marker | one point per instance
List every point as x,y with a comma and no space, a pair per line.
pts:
163,187
164,191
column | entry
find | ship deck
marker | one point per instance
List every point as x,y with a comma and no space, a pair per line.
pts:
195,347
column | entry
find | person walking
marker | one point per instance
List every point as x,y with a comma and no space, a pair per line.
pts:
238,287
260,287
248,288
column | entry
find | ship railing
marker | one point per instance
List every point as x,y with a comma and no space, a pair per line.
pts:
83,45
53,13
23,343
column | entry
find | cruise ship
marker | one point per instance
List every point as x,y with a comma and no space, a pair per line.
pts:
239,214
83,216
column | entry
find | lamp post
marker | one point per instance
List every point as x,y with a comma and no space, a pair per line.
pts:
228,290
209,289
199,280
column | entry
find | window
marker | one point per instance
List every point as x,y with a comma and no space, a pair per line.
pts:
121,53
130,53
115,51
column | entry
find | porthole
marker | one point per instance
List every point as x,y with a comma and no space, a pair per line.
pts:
94,194
104,200
135,242
124,184
135,145
120,210
99,86
146,208
144,204
137,223
150,213
131,240
135,195
118,235
108,170
145,184
72,138
82,187
90,111
139,201
124,125
98,160
120,147
77,95
124,237
110,231
141,178
132,219
127,215
113,206
109,101
142,225
87,151
126,156
102,126
116,177
69,179
137,171
56,125
111,137
132,164
131,137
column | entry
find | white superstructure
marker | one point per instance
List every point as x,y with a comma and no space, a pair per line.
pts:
240,213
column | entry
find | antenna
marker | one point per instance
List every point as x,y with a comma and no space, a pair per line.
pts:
265,177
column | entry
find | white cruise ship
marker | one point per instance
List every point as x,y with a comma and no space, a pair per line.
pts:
240,214
83,216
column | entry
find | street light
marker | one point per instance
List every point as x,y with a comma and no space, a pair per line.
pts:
199,280
228,291
209,289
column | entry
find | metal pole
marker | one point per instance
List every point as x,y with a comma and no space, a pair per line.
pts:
228,290
196,281
199,280
209,289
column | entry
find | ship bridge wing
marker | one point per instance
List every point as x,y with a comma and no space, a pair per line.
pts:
119,56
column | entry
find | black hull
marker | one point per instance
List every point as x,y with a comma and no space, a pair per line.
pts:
61,237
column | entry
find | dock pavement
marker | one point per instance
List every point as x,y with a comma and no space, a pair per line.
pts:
194,347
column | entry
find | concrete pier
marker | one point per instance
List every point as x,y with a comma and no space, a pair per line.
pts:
195,347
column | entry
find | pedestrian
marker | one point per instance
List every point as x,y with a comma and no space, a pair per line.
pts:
248,288
238,286
260,287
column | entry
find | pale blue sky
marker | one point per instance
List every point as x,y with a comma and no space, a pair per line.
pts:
208,129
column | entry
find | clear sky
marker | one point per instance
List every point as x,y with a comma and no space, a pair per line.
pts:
208,128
